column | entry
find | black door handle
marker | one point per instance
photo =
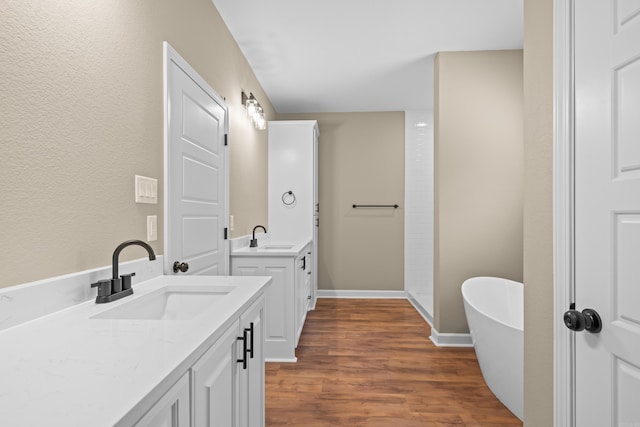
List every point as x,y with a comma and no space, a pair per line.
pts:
588,320
250,330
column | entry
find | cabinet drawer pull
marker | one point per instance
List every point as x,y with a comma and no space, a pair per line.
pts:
244,349
250,330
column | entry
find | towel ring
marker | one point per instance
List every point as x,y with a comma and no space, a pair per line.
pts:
288,198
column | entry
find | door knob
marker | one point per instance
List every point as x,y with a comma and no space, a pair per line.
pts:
180,266
588,319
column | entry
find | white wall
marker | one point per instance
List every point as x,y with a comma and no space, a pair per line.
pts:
418,222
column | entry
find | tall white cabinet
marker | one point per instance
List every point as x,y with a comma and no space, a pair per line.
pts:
293,187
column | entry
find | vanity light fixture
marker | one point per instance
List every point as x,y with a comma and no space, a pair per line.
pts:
254,111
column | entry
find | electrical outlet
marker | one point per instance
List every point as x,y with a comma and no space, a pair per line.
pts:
152,228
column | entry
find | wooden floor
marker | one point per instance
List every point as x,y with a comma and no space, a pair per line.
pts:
371,363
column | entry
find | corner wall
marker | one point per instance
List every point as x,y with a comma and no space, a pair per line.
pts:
538,214
82,113
478,175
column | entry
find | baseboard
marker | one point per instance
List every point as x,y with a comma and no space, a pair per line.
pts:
327,293
420,309
276,360
450,340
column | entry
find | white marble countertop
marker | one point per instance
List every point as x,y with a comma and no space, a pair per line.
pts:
68,369
272,248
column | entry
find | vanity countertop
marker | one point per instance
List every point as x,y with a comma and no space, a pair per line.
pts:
269,248
70,369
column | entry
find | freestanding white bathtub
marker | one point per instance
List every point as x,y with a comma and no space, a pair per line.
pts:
495,313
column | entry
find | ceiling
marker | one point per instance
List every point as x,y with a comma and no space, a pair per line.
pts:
362,55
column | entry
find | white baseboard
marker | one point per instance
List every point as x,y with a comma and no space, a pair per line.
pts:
424,313
450,340
327,293
276,360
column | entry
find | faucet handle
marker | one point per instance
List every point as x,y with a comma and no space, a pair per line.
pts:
104,287
126,280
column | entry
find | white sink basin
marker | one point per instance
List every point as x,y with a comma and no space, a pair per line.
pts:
276,247
171,302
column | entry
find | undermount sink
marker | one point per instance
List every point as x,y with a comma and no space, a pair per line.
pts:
171,302
276,247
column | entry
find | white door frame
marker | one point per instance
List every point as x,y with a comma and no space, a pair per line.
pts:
563,211
171,55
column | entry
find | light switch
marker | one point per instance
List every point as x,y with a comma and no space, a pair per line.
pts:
231,222
146,190
152,228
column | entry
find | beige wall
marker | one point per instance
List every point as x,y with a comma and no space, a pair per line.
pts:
361,160
81,110
538,213
478,175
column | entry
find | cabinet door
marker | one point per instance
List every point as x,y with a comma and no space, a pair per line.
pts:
280,302
215,383
172,410
300,296
252,378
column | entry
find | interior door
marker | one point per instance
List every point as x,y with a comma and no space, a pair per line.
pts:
196,119
607,210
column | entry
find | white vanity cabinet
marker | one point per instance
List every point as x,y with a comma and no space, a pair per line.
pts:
228,380
287,299
171,355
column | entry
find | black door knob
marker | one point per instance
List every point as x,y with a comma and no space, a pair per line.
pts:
588,320
574,320
180,266
592,321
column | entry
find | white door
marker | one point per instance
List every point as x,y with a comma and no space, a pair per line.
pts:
607,210
195,180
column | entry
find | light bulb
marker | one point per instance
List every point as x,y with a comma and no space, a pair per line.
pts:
252,106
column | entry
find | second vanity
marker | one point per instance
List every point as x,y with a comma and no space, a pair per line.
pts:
290,295
181,351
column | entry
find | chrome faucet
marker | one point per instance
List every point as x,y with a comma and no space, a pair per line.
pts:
254,241
117,287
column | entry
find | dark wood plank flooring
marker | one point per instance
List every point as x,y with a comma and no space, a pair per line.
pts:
371,363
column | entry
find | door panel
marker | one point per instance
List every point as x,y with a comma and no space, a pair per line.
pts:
196,177
607,210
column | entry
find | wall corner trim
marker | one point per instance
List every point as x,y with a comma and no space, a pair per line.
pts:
450,340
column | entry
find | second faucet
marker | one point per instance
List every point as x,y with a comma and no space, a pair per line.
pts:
254,241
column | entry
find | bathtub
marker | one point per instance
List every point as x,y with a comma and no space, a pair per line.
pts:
495,313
